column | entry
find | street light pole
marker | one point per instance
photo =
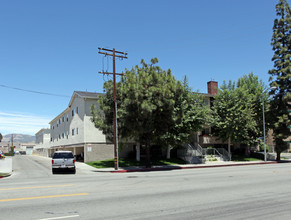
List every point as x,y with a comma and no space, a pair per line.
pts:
265,151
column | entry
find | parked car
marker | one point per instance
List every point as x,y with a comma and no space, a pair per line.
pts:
63,160
2,154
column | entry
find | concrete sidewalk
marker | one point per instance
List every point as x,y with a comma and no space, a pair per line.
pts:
6,165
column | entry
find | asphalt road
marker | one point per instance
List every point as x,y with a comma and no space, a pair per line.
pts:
246,192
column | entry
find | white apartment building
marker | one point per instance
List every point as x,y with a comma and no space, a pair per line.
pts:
73,130
42,142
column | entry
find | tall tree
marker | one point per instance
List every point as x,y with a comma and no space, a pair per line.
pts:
258,93
158,109
190,114
233,114
145,105
281,76
147,95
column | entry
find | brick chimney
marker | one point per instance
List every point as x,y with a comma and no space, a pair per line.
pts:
212,87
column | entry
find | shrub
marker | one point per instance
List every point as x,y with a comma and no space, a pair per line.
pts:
257,155
262,147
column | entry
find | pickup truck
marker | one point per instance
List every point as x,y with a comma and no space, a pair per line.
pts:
63,160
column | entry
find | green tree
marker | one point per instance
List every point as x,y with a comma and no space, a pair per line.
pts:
233,114
153,108
258,94
102,112
281,77
190,114
1,137
148,100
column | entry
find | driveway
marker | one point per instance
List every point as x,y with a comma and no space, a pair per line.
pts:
30,166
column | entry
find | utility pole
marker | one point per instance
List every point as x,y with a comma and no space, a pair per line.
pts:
12,146
122,55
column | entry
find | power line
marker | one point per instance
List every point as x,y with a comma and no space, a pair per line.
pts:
31,91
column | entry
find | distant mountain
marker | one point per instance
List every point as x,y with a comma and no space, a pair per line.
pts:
19,138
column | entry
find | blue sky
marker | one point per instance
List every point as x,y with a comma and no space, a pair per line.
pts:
52,47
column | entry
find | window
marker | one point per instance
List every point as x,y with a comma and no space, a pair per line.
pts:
63,155
73,131
67,117
63,119
77,110
77,130
73,112
63,135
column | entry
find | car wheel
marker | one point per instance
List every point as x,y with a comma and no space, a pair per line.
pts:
53,170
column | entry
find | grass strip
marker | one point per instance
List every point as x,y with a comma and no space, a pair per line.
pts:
124,162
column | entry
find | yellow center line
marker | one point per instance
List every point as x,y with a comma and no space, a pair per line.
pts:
43,197
37,187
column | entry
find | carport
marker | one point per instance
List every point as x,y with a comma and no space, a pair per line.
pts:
78,151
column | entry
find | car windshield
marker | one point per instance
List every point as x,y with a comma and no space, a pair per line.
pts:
63,155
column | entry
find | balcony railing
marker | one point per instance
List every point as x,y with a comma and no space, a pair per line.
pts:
207,139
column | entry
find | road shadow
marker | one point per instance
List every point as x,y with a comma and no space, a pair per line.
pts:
140,169
63,171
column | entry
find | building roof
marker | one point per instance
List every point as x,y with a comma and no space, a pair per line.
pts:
87,94
84,95
44,131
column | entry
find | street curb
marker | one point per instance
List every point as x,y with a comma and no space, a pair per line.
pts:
5,176
190,167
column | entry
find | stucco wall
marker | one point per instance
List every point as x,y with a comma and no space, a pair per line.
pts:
95,152
41,152
91,133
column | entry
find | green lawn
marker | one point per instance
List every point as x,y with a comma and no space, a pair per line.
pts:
174,161
131,162
243,158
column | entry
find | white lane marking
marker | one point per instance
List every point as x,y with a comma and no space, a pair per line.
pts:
61,217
